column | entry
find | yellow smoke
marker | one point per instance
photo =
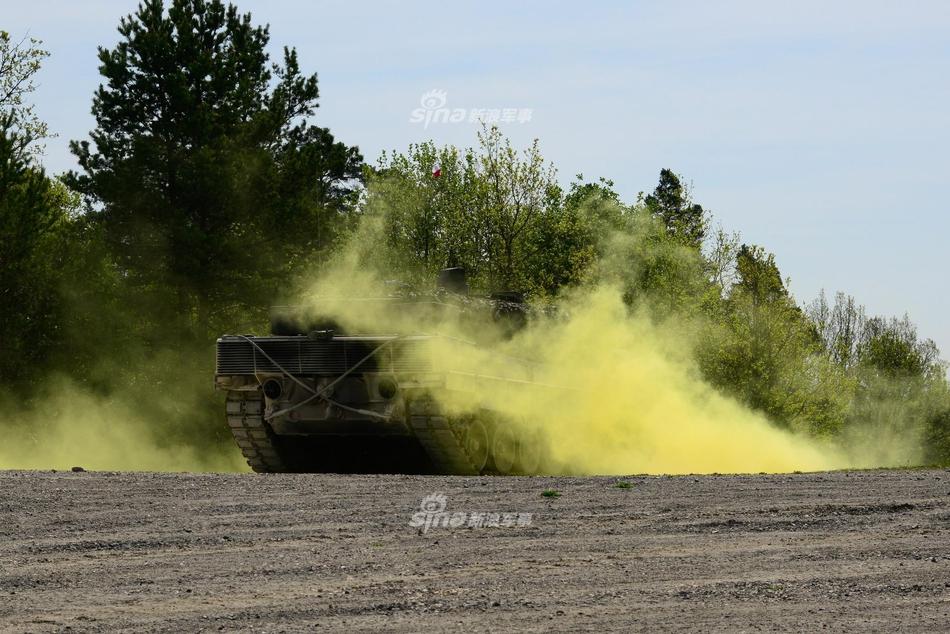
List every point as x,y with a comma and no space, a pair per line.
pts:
617,394
70,426
609,391
635,403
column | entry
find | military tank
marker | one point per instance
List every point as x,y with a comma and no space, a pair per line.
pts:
313,396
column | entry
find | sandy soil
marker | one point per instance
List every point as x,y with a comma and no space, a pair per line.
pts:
146,552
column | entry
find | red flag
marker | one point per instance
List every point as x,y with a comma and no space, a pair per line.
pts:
436,170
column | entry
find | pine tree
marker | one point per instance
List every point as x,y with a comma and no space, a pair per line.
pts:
671,204
203,168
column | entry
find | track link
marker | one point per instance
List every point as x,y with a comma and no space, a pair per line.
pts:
245,412
440,437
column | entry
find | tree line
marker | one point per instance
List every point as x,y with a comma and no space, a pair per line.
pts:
205,190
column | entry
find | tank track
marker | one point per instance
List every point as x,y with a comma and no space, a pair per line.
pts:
245,412
441,438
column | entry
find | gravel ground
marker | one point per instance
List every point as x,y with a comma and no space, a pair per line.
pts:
272,553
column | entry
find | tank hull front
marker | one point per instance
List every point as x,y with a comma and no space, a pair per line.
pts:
364,405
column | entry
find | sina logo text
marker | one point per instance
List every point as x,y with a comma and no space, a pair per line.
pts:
433,109
432,514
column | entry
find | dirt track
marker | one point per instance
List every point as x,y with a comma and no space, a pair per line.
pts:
101,551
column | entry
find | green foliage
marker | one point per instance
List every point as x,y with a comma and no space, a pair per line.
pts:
720,255
550,493
206,187
898,388
891,347
813,374
670,203
764,351
493,210
20,60
567,244
206,178
841,327
937,434
654,269
429,222
35,212
517,193
758,276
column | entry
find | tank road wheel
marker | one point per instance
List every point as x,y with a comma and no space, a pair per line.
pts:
530,452
475,443
453,445
245,412
505,450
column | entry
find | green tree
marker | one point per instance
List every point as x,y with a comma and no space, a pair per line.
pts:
566,243
519,190
841,327
203,170
431,222
902,394
492,210
893,348
20,60
758,276
34,214
641,248
937,437
899,396
670,202
720,258
654,268
768,354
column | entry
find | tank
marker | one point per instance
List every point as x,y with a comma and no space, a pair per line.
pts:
314,397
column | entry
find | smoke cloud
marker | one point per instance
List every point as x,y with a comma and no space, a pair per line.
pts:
609,389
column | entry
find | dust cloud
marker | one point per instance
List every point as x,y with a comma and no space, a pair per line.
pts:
606,388
69,425
608,391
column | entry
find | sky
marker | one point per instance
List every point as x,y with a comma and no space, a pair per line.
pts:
818,130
